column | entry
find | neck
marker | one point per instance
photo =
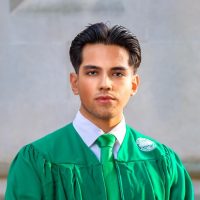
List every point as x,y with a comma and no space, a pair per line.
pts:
104,124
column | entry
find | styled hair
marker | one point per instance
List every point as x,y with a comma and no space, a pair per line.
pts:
101,33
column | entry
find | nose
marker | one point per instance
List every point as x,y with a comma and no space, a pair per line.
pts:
105,83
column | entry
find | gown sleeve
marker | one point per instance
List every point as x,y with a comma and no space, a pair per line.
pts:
181,185
23,179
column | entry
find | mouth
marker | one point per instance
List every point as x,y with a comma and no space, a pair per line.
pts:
105,99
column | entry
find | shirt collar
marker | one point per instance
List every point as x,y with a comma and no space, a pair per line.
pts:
89,132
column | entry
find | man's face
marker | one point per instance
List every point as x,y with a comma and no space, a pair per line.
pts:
105,82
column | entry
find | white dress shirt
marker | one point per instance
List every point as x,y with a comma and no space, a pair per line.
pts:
89,132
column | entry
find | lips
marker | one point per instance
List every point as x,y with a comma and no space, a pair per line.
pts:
105,99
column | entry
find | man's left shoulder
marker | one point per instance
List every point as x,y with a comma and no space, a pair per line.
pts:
146,143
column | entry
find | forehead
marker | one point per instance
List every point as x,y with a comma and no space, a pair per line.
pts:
104,55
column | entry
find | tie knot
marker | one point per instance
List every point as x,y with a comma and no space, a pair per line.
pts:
106,140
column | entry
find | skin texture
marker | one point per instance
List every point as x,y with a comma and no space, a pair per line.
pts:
105,83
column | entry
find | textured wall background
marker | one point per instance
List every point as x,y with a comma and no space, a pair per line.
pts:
36,98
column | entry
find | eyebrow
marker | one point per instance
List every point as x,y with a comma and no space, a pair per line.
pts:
119,68
91,67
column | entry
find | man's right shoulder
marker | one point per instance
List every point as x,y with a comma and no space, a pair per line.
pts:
55,136
52,144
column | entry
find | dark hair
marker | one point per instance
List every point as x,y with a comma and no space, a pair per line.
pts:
101,33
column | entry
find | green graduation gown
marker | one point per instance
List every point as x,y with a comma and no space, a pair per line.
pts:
61,166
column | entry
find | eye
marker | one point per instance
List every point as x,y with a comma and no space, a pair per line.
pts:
118,74
91,73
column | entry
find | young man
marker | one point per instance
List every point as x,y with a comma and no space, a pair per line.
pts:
98,156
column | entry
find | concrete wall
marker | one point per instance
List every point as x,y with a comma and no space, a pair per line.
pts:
35,96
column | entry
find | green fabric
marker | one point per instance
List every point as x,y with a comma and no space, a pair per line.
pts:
60,166
106,143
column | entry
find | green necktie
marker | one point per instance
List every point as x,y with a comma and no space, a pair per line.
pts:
106,143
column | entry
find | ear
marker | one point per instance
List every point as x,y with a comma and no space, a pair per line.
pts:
74,82
135,84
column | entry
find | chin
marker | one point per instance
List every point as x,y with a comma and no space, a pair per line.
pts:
102,113
106,115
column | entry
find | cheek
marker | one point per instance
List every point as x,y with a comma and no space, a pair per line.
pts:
126,89
85,90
